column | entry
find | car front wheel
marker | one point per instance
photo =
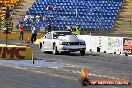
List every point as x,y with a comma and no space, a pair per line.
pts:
82,52
55,51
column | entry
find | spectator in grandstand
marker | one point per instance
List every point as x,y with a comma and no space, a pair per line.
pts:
55,28
38,18
78,29
32,19
21,31
26,18
1,3
48,28
49,8
34,33
55,8
11,8
69,28
45,19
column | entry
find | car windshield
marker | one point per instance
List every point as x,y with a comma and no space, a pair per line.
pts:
57,34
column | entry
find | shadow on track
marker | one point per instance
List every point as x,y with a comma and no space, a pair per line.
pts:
73,54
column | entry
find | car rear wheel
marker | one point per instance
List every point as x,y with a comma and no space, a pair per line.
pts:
55,51
82,52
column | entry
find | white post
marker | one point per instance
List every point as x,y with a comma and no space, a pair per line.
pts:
33,59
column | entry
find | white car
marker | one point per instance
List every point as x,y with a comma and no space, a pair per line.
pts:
62,41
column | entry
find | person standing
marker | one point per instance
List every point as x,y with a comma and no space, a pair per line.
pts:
55,8
69,28
49,8
34,33
78,29
49,28
21,31
55,28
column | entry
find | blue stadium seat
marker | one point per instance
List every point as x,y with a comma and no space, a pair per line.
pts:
91,14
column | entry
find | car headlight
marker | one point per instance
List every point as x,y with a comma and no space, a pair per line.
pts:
63,43
82,43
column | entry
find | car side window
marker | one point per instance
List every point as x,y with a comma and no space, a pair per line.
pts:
49,36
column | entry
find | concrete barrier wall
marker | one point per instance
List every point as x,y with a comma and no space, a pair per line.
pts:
86,38
112,45
106,44
13,52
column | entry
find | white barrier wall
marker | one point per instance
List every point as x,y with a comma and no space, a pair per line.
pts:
105,43
112,44
86,39
90,42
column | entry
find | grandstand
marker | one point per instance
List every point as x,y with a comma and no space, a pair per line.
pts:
3,4
10,3
92,15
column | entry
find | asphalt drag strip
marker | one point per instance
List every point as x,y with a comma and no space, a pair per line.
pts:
63,71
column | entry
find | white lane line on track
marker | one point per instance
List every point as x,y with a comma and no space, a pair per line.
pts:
60,76
14,66
91,74
95,75
41,72
66,70
51,74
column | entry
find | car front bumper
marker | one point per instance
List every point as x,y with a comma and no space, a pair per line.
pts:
71,48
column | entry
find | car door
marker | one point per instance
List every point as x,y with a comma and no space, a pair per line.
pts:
48,42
